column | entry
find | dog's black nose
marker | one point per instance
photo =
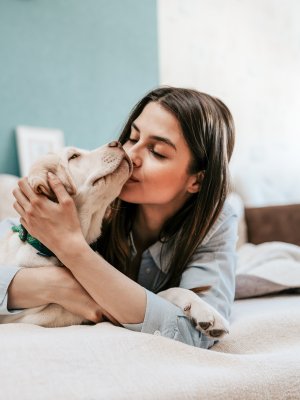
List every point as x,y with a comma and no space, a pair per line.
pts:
115,143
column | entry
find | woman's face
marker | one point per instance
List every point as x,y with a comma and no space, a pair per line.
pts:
161,158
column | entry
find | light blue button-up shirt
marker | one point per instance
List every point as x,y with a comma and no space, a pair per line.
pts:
213,264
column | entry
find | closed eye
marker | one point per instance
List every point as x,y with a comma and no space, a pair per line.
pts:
158,155
76,155
151,148
132,140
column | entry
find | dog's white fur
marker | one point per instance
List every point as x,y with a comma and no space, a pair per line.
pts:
94,179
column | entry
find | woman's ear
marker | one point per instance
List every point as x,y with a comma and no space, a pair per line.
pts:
196,182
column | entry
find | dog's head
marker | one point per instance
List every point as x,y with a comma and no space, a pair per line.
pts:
83,172
93,178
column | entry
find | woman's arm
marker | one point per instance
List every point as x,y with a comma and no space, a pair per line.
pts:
32,287
122,298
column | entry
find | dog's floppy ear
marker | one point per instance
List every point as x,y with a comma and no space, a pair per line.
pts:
64,175
38,174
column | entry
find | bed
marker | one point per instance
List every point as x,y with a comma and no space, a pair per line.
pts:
259,359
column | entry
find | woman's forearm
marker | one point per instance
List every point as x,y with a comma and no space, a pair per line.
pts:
124,299
27,289
32,287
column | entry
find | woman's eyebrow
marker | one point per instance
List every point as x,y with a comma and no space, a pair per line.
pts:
157,138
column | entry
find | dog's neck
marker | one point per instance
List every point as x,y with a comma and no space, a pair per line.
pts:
26,237
91,223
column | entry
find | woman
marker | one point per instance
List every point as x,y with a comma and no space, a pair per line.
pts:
169,227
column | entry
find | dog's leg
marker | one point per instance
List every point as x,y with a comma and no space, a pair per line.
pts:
49,316
206,319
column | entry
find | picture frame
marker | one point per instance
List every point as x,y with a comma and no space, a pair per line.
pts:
33,142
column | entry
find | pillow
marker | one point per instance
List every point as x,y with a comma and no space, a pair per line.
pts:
273,223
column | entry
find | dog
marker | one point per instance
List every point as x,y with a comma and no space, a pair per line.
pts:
93,179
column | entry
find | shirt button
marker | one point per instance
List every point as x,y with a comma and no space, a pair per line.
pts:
157,333
148,270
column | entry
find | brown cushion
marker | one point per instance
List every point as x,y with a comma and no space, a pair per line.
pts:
273,223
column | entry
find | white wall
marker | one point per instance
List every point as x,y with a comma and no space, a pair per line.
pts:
247,52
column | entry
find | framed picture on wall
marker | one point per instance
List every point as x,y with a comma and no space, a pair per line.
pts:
33,142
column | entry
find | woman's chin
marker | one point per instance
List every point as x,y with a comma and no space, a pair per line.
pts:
128,196
125,194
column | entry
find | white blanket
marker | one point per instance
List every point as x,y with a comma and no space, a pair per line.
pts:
260,359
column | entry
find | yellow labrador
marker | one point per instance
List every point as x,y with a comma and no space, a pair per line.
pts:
94,179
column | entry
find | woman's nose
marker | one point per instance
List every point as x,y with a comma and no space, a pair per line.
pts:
135,157
115,143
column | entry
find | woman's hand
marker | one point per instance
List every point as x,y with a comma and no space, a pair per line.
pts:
32,287
54,224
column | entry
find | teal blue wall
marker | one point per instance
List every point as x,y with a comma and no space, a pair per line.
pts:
76,65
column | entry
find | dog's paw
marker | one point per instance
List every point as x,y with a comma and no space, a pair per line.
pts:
206,319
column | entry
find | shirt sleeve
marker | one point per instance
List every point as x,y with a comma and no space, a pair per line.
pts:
7,272
165,319
213,264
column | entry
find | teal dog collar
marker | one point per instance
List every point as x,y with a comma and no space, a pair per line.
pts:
26,237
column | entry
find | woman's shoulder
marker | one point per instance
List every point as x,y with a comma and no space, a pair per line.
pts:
227,211
225,223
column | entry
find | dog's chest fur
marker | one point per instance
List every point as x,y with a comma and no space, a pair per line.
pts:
15,252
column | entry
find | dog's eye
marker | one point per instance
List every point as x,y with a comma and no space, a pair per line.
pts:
73,156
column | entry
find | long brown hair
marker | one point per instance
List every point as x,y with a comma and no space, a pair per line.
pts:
208,129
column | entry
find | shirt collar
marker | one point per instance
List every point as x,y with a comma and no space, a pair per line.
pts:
158,251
